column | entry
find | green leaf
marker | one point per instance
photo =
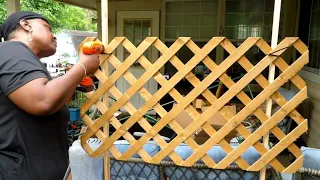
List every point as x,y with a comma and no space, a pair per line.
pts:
61,16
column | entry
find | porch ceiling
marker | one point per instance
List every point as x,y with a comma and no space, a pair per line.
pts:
89,4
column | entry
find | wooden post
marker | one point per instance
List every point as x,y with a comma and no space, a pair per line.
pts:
12,6
274,42
221,30
104,28
99,23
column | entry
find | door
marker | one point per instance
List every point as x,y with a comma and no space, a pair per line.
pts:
136,26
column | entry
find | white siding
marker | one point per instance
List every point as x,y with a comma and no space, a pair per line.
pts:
311,110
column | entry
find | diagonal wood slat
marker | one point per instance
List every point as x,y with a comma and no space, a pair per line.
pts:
276,96
178,97
228,82
157,96
146,95
188,99
159,109
276,130
184,103
110,81
223,99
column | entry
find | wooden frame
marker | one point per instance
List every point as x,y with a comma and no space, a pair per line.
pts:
268,156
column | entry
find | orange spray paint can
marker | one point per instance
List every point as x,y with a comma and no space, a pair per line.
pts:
92,47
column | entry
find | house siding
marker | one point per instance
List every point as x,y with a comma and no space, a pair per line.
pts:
311,110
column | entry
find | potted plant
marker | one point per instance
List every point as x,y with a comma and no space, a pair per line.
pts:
74,109
74,106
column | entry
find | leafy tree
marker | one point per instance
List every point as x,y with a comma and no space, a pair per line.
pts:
60,15
3,11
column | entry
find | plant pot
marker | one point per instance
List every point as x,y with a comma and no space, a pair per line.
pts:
74,114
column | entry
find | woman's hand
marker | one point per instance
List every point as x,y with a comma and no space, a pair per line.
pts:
90,62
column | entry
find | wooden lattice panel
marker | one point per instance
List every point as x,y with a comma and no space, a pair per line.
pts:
252,106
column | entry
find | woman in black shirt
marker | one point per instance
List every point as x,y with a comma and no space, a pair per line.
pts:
33,115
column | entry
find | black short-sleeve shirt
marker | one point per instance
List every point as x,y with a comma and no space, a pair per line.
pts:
31,147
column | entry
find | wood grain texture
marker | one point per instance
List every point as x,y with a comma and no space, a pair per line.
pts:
184,103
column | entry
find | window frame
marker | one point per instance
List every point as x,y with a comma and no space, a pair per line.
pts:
199,39
309,73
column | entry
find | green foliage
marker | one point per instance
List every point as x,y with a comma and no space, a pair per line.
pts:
74,104
78,101
61,16
3,11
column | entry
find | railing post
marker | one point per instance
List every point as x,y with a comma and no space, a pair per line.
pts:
104,27
274,42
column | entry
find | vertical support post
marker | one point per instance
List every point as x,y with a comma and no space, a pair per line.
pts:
99,23
274,42
221,30
12,6
105,41
290,15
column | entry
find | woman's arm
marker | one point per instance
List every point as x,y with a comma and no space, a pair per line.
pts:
43,97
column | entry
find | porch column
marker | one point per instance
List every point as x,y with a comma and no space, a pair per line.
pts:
274,43
12,6
98,4
104,21
105,69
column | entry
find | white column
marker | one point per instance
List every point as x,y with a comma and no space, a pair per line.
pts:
104,29
104,21
13,6
274,43
276,22
99,23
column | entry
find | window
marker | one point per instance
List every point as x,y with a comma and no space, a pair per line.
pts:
200,20
244,31
314,39
311,71
136,30
249,18
197,19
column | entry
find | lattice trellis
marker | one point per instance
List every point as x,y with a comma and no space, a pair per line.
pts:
268,156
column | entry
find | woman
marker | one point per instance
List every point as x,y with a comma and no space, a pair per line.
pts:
33,115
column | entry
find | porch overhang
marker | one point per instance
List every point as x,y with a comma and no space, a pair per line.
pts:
88,4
